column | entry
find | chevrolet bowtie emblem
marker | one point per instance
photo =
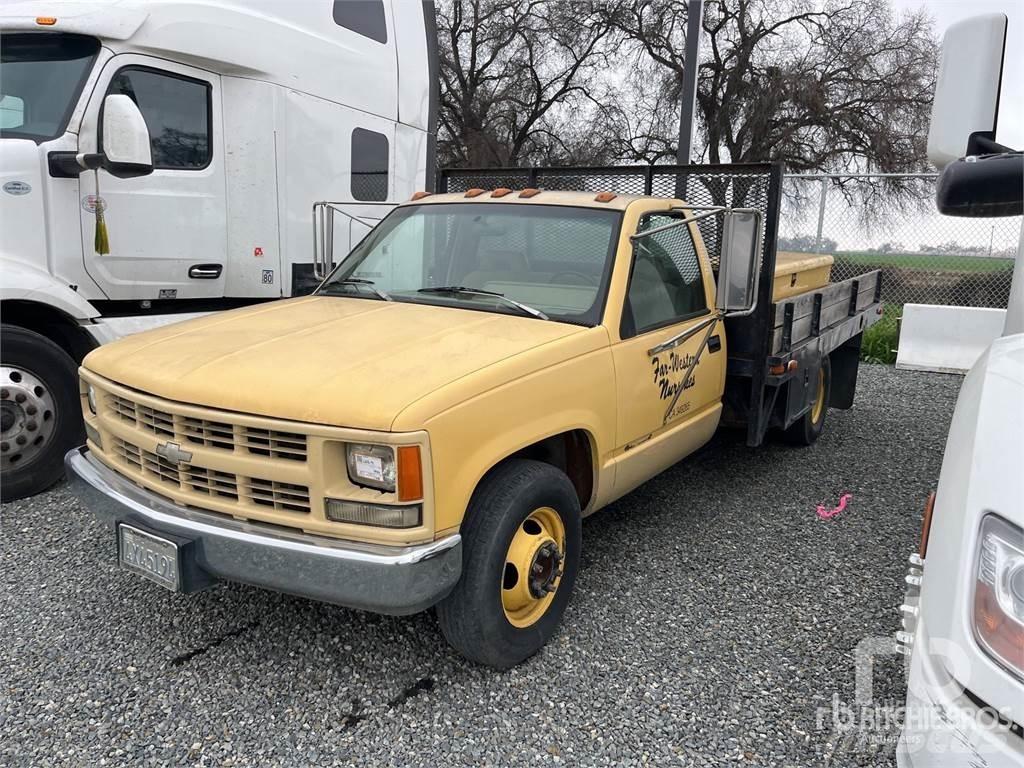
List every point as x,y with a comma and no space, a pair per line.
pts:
173,453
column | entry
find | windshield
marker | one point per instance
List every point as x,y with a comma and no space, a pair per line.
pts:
41,75
555,259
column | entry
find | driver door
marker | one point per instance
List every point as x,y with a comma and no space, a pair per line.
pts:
168,230
670,292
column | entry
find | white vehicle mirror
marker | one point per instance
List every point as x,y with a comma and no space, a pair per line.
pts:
738,262
126,146
967,89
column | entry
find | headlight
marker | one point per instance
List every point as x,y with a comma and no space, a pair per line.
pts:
999,592
372,465
90,395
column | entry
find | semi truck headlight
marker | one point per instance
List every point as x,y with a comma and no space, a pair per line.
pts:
387,469
383,516
999,592
90,395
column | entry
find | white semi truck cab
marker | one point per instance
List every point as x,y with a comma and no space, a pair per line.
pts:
161,159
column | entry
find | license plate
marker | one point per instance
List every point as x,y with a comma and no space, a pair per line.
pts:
148,555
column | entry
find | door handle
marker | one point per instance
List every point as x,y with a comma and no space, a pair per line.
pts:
205,271
714,343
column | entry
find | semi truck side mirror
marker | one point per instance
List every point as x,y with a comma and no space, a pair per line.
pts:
967,90
126,148
738,262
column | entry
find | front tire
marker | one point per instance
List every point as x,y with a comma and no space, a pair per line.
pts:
39,409
808,428
521,552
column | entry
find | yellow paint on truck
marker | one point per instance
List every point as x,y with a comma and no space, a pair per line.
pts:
264,400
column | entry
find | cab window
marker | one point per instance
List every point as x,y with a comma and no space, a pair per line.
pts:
177,114
666,285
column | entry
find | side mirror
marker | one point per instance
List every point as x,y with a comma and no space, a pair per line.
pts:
126,147
967,89
738,262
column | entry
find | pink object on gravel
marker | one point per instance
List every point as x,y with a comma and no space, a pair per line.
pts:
828,514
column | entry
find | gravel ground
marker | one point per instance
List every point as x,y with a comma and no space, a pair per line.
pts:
715,615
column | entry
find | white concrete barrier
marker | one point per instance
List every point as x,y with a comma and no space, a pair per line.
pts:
946,339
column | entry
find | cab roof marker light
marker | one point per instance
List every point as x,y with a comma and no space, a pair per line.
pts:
501,192
529,192
46,21
474,192
604,197
420,195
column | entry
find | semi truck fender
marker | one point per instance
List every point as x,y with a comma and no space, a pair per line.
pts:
25,283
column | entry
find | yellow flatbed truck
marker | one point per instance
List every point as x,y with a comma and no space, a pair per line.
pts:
486,367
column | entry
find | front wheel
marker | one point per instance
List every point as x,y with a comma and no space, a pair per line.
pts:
521,551
40,415
808,428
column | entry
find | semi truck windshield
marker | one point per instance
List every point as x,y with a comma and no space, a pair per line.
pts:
41,75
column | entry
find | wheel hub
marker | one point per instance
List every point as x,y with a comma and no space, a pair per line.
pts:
27,414
545,569
533,567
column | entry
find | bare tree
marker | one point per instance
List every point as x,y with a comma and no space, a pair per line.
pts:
830,85
515,78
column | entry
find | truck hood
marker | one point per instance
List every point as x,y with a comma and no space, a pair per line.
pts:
326,360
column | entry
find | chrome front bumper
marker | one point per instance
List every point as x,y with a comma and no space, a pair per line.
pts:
371,577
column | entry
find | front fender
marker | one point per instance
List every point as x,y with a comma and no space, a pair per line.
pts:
22,282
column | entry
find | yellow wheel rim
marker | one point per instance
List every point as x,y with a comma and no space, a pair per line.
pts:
533,567
818,409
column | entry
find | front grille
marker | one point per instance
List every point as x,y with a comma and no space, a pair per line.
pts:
286,497
272,443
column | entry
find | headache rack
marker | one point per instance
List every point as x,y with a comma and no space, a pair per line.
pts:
792,335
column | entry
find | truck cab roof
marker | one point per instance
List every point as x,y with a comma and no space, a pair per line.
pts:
542,197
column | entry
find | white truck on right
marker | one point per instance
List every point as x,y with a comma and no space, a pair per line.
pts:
963,616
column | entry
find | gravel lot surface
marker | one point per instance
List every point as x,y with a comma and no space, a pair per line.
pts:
714,616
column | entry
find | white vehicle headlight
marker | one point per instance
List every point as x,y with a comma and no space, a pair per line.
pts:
372,466
90,395
999,592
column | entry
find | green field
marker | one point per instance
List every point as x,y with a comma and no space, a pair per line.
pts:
930,262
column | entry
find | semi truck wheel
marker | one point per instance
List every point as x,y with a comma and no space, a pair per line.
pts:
40,415
521,551
810,426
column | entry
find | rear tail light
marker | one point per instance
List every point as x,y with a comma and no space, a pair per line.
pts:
999,593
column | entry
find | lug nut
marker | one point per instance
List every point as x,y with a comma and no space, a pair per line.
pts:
5,446
31,410
20,397
31,426
4,394
21,439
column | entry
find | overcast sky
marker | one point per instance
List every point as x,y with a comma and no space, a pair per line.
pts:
1010,129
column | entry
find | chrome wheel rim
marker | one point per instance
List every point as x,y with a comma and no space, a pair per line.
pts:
27,416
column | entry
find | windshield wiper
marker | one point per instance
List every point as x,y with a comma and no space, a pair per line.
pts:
481,292
359,281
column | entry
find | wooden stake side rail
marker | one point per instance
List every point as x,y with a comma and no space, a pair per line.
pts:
811,314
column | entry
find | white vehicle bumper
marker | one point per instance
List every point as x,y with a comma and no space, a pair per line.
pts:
944,727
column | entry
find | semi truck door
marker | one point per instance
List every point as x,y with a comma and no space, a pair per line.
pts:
167,231
670,291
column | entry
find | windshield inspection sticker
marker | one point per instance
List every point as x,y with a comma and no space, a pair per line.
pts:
17,188
370,467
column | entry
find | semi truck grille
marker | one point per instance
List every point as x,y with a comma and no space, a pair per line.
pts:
286,497
212,434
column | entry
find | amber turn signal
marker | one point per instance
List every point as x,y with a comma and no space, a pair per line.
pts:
410,473
926,525
46,21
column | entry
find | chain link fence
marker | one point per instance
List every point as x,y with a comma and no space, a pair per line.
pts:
889,222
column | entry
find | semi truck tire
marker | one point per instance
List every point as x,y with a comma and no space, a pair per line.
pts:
40,415
808,428
521,552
